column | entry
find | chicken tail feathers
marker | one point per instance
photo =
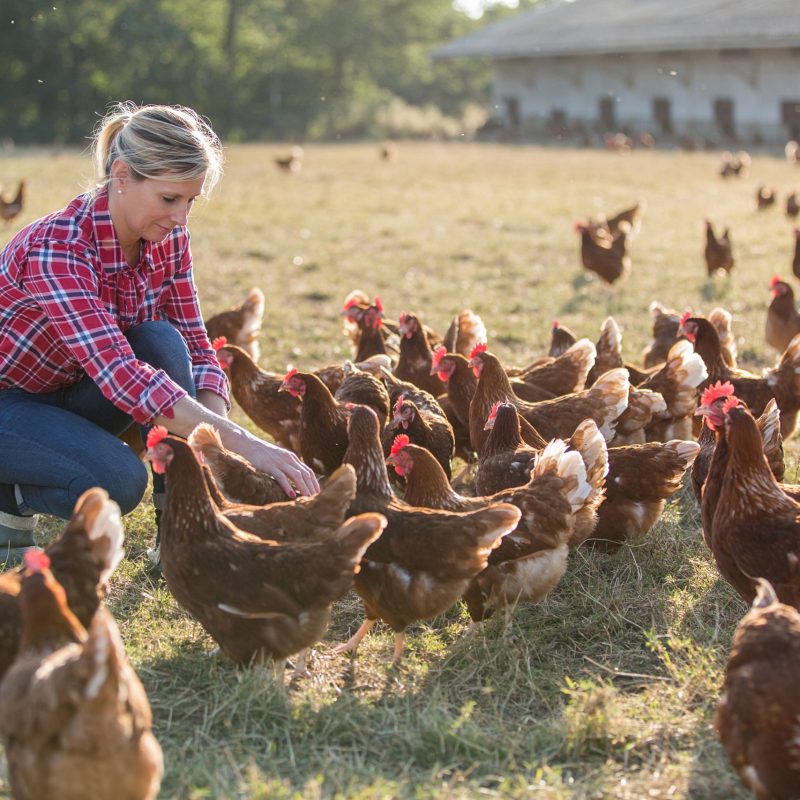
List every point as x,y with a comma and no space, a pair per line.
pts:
568,465
769,423
356,535
582,355
612,389
590,444
99,518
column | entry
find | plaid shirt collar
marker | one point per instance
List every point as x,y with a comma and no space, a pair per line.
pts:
112,257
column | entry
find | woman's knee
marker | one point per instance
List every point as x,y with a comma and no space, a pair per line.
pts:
160,345
125,483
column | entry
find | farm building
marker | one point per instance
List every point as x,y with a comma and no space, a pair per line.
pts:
723,70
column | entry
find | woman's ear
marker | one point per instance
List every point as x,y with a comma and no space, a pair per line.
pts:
120,171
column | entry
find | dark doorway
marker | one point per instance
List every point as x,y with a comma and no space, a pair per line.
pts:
512,112
790,116
662,114
607,109
723,116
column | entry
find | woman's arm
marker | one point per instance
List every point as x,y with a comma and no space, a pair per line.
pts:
283,465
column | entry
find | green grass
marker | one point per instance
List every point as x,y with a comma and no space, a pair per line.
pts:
606,689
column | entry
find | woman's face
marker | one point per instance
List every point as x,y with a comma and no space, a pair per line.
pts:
150,208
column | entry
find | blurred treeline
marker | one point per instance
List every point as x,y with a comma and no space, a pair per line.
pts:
259,69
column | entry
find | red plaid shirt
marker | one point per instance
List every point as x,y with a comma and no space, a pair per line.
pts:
67,295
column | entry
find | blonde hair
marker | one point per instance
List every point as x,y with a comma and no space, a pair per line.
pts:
158,141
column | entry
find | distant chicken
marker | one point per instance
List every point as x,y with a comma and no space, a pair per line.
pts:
11,207
734,165
765,197
74,718
751,525
425,559
533,558
83,559
292,162
718,251
792,205
606,256
783,320
388,150
561,339
429,430
557,418
781,382
632,216
758,712
240,326
257,599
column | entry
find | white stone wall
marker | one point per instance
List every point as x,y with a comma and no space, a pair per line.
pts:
756,81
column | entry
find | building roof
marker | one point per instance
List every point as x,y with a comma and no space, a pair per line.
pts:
583,27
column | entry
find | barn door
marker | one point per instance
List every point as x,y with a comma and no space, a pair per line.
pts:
723,116
607,113
662,113
790,116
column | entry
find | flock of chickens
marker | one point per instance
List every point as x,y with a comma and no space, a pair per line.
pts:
575,448
604,242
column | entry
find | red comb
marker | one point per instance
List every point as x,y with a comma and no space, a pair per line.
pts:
439,352
495,406
400,441
479,348
353,301
555,324
685,316
398,405
775,280
36,561
219,343
731,402
378,304
290,374
156,434
717,392
402,318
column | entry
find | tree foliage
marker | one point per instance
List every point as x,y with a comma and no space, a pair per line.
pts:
257,68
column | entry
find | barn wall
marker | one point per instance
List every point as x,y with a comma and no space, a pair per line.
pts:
756,82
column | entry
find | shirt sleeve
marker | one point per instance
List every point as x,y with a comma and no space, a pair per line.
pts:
64,283
180,306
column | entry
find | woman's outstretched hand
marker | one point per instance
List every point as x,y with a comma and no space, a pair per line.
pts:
292,475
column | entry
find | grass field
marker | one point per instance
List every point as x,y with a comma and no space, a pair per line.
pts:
606,689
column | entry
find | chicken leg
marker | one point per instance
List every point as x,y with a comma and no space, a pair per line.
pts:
351,645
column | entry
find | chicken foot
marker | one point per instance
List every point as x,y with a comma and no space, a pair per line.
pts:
351,645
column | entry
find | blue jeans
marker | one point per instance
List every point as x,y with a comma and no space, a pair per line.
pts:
58,444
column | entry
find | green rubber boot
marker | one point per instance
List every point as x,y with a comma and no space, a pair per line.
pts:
16,538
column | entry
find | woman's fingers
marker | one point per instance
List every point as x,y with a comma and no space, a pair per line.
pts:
292,475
